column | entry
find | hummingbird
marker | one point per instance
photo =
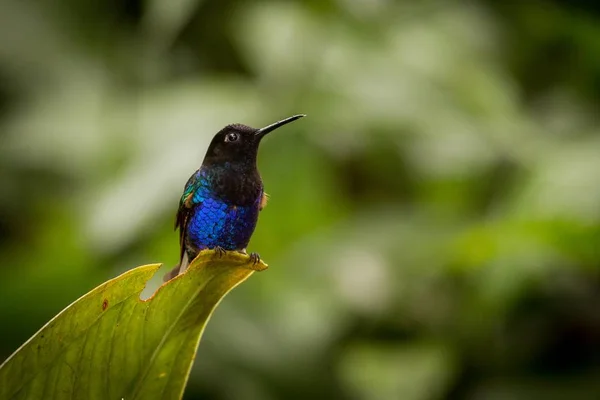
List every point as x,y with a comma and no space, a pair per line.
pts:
221,201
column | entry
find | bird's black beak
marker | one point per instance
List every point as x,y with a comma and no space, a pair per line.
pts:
270,128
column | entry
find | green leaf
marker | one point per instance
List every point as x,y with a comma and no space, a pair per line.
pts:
109,344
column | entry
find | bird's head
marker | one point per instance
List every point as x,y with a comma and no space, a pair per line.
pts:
239,143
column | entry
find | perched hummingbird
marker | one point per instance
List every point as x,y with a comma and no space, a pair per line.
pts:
221,200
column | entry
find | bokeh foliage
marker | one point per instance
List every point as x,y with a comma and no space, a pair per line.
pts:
433,231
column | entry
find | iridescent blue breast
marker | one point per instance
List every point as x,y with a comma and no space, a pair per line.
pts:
213,222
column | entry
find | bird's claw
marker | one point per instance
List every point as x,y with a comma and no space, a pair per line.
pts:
220,251
254,258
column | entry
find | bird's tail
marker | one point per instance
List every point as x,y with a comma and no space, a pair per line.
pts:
178,269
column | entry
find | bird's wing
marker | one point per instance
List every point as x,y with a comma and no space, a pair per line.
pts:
186,204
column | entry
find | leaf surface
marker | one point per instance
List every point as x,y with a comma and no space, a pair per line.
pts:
109,344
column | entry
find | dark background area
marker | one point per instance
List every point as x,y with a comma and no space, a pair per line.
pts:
433,230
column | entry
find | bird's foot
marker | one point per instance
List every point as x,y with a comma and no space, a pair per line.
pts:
254,258
220,251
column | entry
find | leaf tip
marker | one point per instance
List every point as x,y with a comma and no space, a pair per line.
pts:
234,257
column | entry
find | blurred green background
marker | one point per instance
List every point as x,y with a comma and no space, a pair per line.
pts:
433,230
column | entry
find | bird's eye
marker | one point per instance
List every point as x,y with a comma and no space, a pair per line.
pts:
232,137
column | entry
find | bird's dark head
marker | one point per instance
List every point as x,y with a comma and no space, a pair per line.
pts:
239,143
